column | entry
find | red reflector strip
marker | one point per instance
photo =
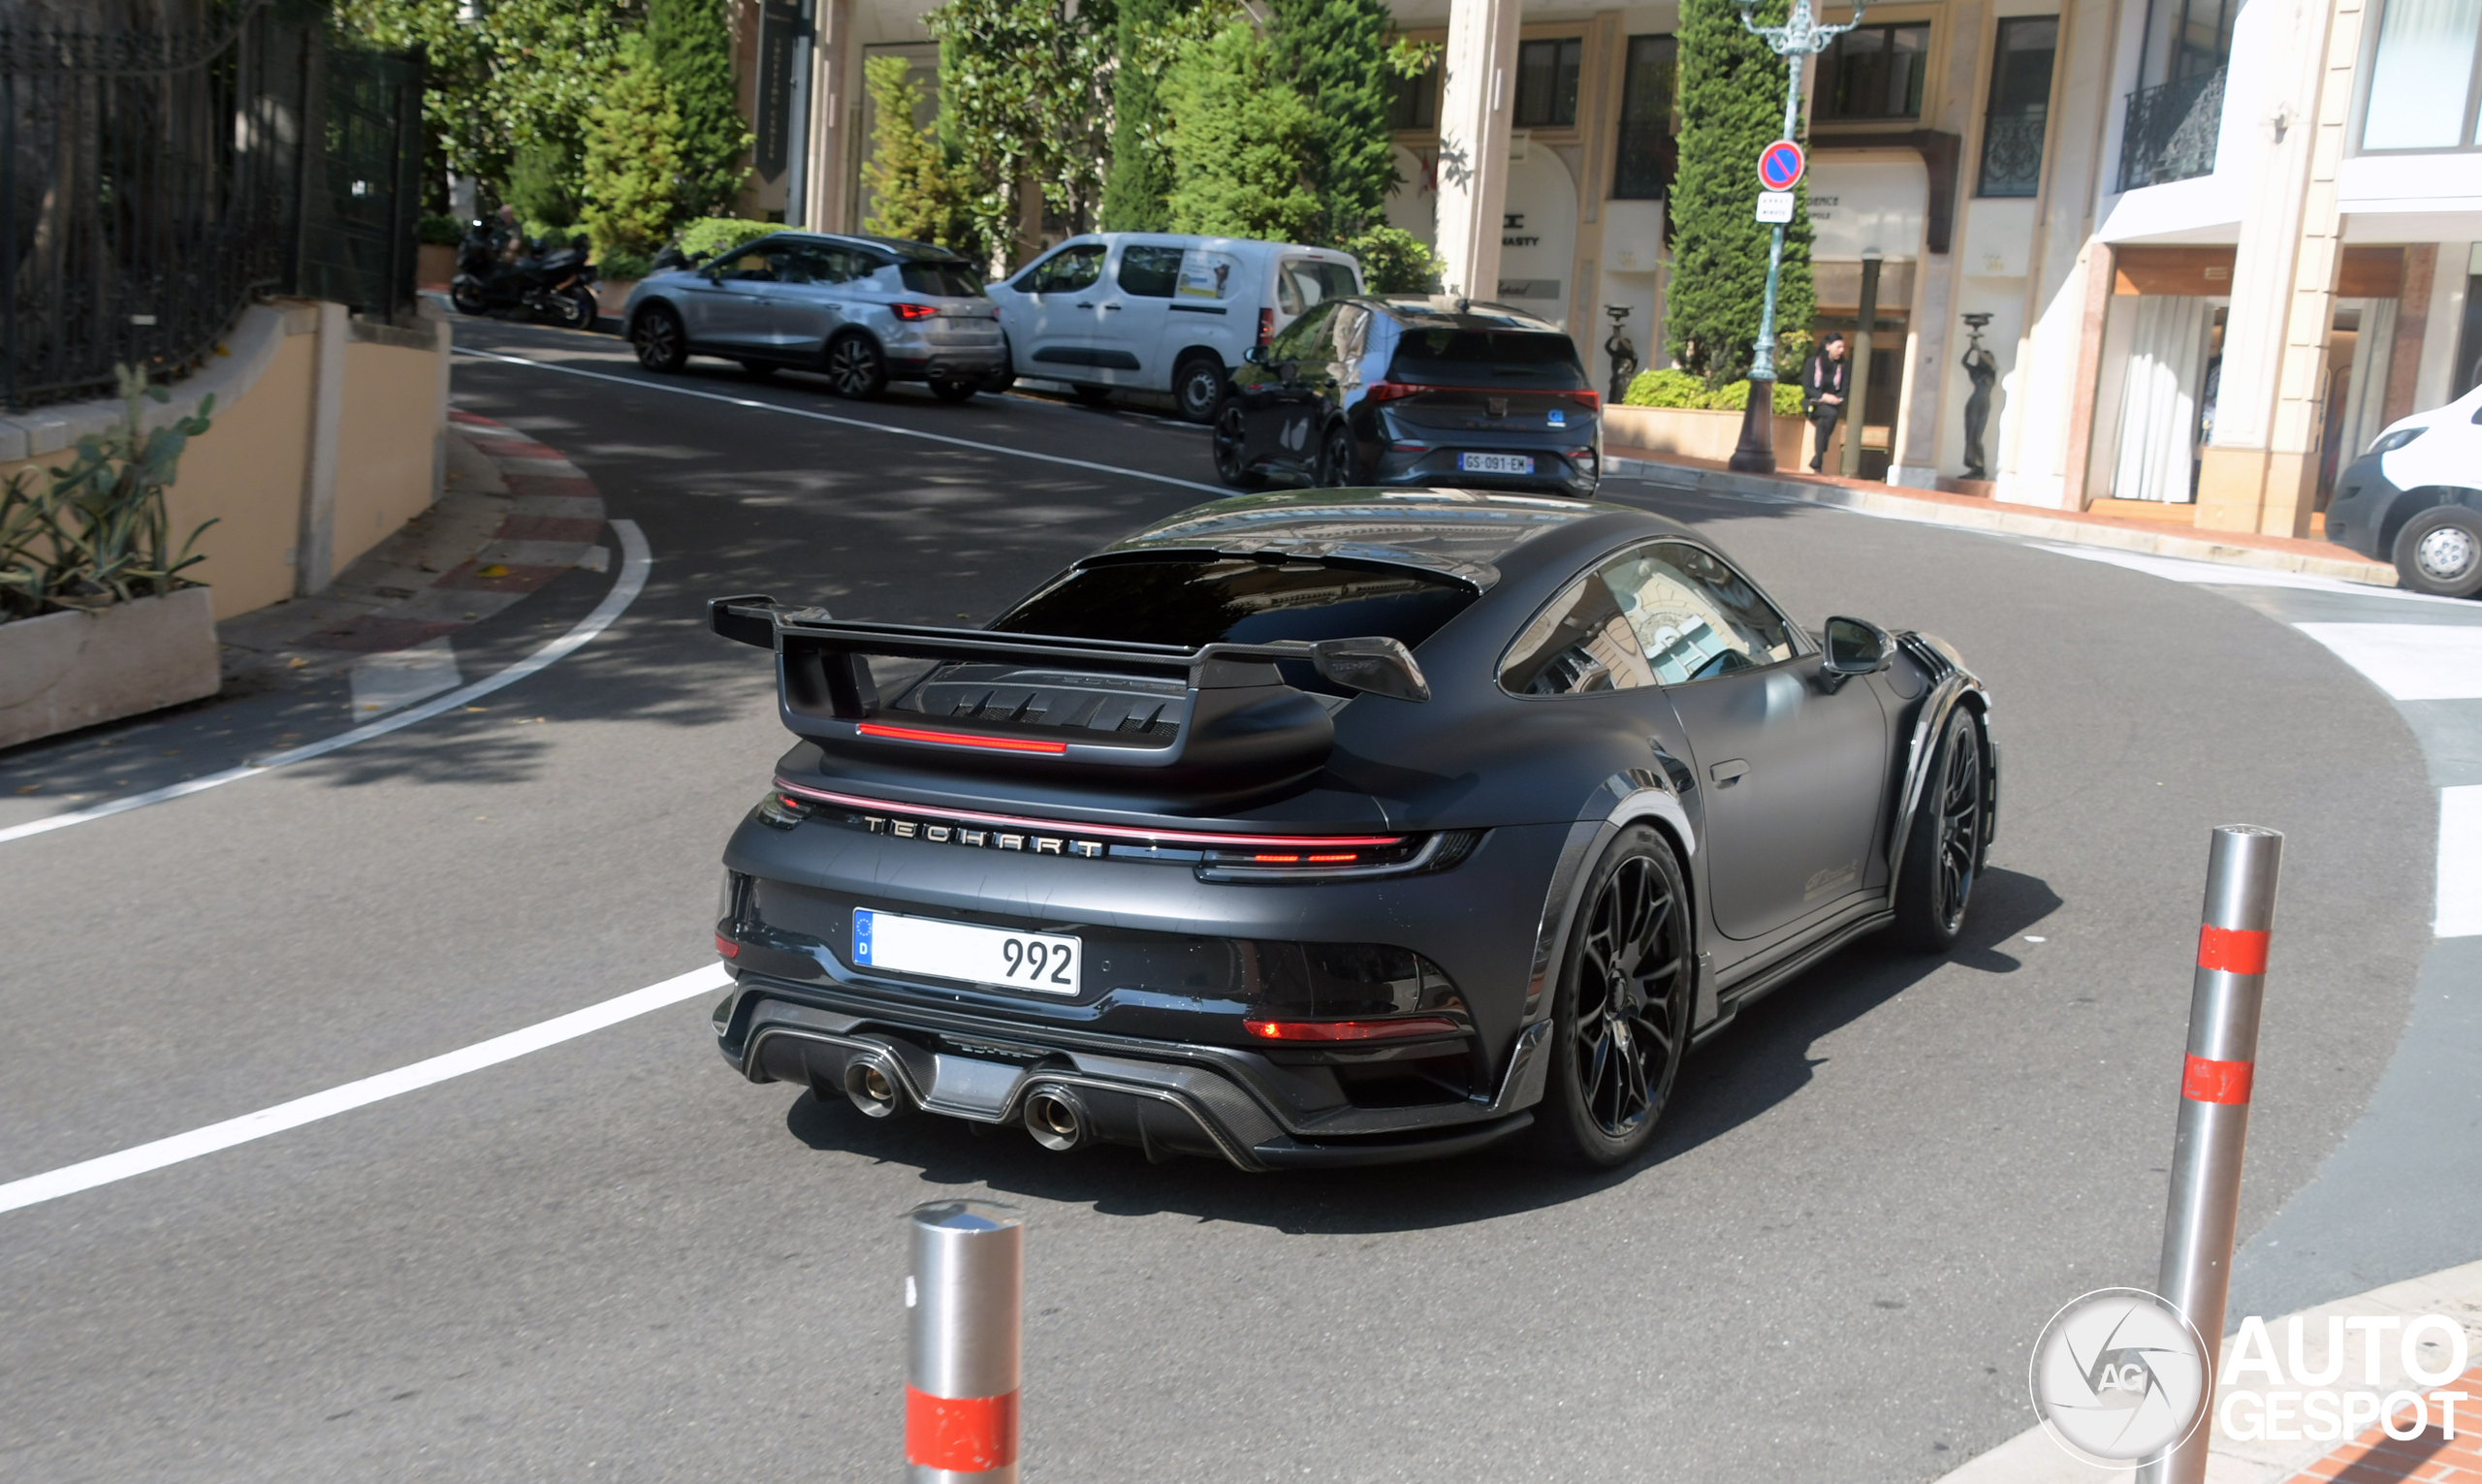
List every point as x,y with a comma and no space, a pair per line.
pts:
1349,1031
2215,1082
2233,950
963,1434
1079,827
1275,858
962,739
1323,859
727,947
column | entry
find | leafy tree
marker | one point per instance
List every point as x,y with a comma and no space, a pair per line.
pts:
1138,181
543,186
632,155
1394,260
693,45
1239,139
1024,92
1732,107
915,190
1334,53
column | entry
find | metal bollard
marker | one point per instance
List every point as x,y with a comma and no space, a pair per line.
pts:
966,1297
2200,1227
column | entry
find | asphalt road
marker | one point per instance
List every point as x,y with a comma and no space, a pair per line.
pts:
613,1258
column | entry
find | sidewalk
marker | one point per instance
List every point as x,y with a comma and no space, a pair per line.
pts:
2032,1457
2266,554
515,515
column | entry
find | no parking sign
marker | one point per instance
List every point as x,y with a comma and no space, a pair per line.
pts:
1780,165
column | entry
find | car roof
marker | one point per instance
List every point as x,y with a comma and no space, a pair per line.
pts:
1441,311
904,248
1459,533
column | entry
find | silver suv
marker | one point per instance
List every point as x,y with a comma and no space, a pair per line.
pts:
866,312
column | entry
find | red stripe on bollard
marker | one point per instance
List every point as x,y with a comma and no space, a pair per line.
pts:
963,1434
2215,1082
2233,950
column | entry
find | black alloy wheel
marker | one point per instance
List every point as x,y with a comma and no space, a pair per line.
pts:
1198,386
855,368
954,391
658,340
1620,1017
1336,461
467,296
2439,552
1943,851
1230,466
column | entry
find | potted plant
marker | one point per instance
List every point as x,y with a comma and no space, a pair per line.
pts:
96,621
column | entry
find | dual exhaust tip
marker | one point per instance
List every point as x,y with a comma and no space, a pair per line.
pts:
1055,1114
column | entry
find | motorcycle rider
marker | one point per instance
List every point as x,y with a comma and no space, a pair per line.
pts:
508,240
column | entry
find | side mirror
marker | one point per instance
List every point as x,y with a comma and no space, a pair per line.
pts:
1378,666
1855,646
1255,355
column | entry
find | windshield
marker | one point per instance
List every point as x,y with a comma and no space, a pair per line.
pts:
1489,358
1190,601
956,280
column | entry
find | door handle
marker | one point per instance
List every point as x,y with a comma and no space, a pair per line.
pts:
1111,307
1085,304
1726,773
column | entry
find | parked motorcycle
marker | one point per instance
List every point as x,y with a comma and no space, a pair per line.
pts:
555,284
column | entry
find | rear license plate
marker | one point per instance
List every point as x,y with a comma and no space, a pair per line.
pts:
1042,962
1495,463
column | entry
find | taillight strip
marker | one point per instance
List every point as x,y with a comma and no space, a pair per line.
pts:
1350,1030
1111,832
963,739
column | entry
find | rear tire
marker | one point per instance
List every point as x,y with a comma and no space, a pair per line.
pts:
575,309
1230,430
467,296
998,383
1620,1015
855,368
658,340
1336,461
1198,386
2439,552
954,391
1943,850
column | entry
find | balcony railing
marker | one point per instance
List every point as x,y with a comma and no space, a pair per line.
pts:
2172,130
2012,154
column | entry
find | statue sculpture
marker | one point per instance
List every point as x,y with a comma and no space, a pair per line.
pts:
1983,367
1623,354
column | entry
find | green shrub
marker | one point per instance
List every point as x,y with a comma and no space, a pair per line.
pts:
542,184
96,535
1683,389
709,235
632,155
916,191
1394,260
439,231
624,267
693,44
1238,137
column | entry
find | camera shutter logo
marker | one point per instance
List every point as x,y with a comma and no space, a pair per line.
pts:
2119,1378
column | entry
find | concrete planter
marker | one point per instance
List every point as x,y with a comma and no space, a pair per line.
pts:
1696,433
65,671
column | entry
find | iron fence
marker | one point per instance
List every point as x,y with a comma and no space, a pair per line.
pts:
2171,131
2011,153
152,184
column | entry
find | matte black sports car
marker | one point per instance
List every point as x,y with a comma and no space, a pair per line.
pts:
1335,827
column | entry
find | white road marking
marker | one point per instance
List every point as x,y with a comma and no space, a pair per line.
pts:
2460,908
87,1174
383,682
756,405
2409,661
636,560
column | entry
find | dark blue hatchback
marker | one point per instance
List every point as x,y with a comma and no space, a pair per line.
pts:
1414,391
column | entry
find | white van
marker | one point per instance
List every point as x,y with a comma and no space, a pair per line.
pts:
1157,312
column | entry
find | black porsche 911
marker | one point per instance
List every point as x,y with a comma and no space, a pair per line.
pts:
1334,827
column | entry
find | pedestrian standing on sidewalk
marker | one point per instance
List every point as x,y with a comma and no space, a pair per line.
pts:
1822,386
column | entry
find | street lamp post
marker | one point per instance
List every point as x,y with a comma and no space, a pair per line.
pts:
1800,36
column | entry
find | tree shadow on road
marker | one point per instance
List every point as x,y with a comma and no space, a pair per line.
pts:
1762,1061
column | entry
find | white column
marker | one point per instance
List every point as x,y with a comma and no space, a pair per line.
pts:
1473,143
315,546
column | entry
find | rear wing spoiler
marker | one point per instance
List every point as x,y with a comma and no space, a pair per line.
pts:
1218,706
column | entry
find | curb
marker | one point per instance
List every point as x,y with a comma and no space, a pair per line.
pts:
532,516
2032,1457
2078,532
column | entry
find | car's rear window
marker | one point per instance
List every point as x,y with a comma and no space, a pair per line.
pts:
954,279
1487,357
1189,602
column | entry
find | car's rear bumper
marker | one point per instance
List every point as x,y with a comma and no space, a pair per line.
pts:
1164,1097
1573,470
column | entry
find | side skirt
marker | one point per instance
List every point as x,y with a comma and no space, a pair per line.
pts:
1789,968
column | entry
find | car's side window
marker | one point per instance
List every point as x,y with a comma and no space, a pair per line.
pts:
832,265
1693,615
1149,273
1301,339
1065,271
753,266
1579,643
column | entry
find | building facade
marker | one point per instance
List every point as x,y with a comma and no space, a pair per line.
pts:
2171,257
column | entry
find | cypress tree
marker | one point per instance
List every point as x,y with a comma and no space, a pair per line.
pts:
632,155
1137,184
1334,53
693,45
1732,107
